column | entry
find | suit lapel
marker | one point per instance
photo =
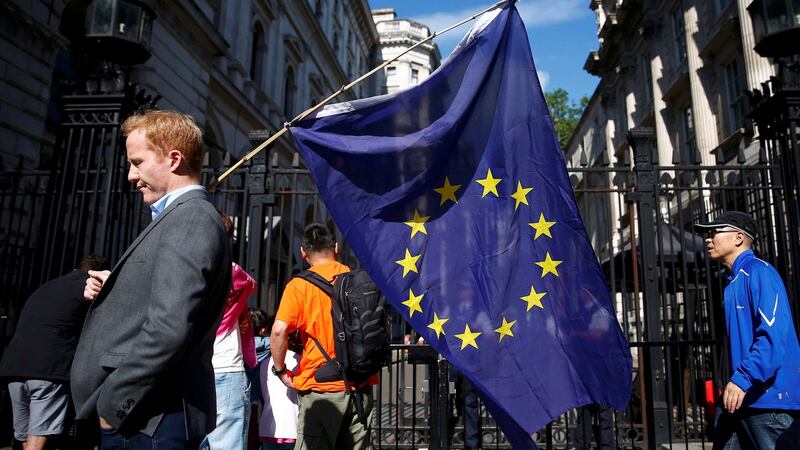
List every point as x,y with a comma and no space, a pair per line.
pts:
172,206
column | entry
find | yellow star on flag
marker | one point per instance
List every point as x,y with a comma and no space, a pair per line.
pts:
413,303
409,263
468,337
534,299
520,195
417,224
548,265
542,227
448,191
437,325
489,184
505,329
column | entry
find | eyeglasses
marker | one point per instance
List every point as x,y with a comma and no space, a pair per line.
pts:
713,233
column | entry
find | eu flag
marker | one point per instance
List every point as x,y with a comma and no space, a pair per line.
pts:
455,198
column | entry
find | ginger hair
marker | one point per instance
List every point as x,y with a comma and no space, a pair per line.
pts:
170,130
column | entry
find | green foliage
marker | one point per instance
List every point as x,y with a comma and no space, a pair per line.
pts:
565,112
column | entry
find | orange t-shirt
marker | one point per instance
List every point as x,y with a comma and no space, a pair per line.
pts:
305,307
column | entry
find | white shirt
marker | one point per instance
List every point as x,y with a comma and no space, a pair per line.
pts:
279,418
161,204
228,352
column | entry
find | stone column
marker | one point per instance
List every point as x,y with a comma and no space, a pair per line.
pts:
758,68
704,125
663,142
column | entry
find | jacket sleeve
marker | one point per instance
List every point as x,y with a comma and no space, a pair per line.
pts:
242,286
771,324
191,254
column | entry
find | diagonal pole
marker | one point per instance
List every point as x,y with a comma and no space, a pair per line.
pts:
341,90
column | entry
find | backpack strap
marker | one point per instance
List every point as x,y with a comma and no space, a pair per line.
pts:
317,280
326,287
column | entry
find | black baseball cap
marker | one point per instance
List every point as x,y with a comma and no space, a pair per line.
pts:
734,219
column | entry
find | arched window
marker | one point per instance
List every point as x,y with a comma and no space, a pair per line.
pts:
290,91
257,54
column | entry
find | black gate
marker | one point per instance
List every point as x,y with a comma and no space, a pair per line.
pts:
666,293
83,203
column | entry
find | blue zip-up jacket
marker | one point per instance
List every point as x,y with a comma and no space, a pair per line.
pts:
765,355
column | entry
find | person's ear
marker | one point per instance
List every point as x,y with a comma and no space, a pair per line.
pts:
175,159
336,248
303,253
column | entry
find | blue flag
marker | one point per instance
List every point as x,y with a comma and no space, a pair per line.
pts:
455,198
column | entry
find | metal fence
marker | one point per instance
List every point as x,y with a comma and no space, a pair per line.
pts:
666,292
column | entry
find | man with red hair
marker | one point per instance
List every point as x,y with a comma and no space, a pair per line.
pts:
143,366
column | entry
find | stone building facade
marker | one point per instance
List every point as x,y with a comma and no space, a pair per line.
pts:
234,65
680,67
396,36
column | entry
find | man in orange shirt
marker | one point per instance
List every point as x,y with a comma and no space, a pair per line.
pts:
327,418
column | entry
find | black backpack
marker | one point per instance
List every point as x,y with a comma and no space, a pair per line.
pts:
360,335
359,326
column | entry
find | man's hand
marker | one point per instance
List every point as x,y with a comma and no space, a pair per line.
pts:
732,397
286,379
94,283
104,425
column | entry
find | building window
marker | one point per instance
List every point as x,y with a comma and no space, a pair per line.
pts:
734,86
623,120
722,5
689,153
336,44
391,74
414,76
257,53
290,91
648,79
318,7
679,29
351,42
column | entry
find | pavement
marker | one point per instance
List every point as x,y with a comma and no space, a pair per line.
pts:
685,446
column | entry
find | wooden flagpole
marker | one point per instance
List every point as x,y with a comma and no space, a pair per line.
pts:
341,90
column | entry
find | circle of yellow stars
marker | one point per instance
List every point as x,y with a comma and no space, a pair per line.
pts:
541,228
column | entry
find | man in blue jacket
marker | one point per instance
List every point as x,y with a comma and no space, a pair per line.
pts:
762,396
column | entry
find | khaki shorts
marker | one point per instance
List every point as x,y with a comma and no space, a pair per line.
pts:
39,407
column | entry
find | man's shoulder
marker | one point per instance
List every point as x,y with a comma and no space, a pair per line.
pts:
196,208
69,285
296,287
194,200
756,267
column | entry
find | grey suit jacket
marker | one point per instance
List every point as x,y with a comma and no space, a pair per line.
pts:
147,342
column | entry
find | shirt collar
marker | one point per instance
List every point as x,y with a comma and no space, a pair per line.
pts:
161,204
739,262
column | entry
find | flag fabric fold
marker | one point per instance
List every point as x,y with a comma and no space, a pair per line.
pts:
455,198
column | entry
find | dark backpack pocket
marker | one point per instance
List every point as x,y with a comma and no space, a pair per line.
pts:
330,371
